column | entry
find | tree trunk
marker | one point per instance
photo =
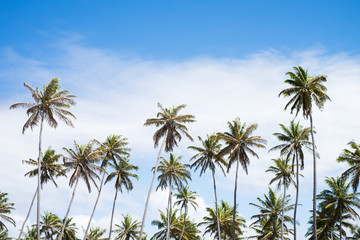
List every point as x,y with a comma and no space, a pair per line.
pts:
234,213
39,180
340,230
28,214
297,192
149,193
112,213
183,228
169,210
282,213
314,187
216,206
97,200
67,212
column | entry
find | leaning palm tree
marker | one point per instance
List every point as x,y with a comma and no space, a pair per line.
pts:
293,139
206,158
81,161
122,174
5,209
172,172
172,125
115,149
50,170
238,144
304,91
184,198
49,103
128,230
284,177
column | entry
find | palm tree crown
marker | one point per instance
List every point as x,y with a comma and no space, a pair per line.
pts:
128,230
5,209
353,159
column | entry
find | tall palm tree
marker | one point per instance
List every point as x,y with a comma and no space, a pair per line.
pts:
284,177
122,174
115,149
238,144
293,139
50,170
128,230
49,103
172,172
271,208
207,158
304,91
81,161
50,225
184,199
353,159
96,234
5,209
172,125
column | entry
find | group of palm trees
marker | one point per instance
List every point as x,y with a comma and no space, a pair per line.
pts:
331,217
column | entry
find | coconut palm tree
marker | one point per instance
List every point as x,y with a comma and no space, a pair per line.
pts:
50,170
238,144
115,149
5,209
207,158
262,233
305,91
50,225
96,234
184,199
128,230
293,139
284,177
122,174
49,103
172,172
225,213
31,233
69,230
172,125
81,161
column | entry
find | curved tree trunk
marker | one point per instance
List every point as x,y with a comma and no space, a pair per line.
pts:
314,187
112,214
39,180
183,228
67,212
149,193
297,192
169,210
27,216
96,202
234,213
216,206
282,212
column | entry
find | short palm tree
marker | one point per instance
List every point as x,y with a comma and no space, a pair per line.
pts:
5,209
172,173
238,144
293,139
31,233
184,199
96,234
128,230
172,125
81,161
50,225
353,159
69,230
49,103
207,158
305,91
284,176
122,174
114,149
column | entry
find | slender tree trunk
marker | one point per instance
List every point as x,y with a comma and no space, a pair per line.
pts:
314,187
112,213
169,210
97,200
297,192
39,180
234,213
67,212
149,193
183,228
340,230
282,212
216,206
274,232
28,214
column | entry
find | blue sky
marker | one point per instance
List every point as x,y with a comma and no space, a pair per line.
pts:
222,58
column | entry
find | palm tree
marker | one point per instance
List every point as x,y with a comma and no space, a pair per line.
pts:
81,161
50,170
128,230
225,213
31,233
171,127
207,158
239,142
184,198
122,177
4,235
48,104
304,91
69,230
271,208
293,139
263,233
353,159
173,172
50,225
96,234
284,177
5,209
115,149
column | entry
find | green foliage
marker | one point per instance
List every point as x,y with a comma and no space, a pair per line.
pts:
128,230
5,210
